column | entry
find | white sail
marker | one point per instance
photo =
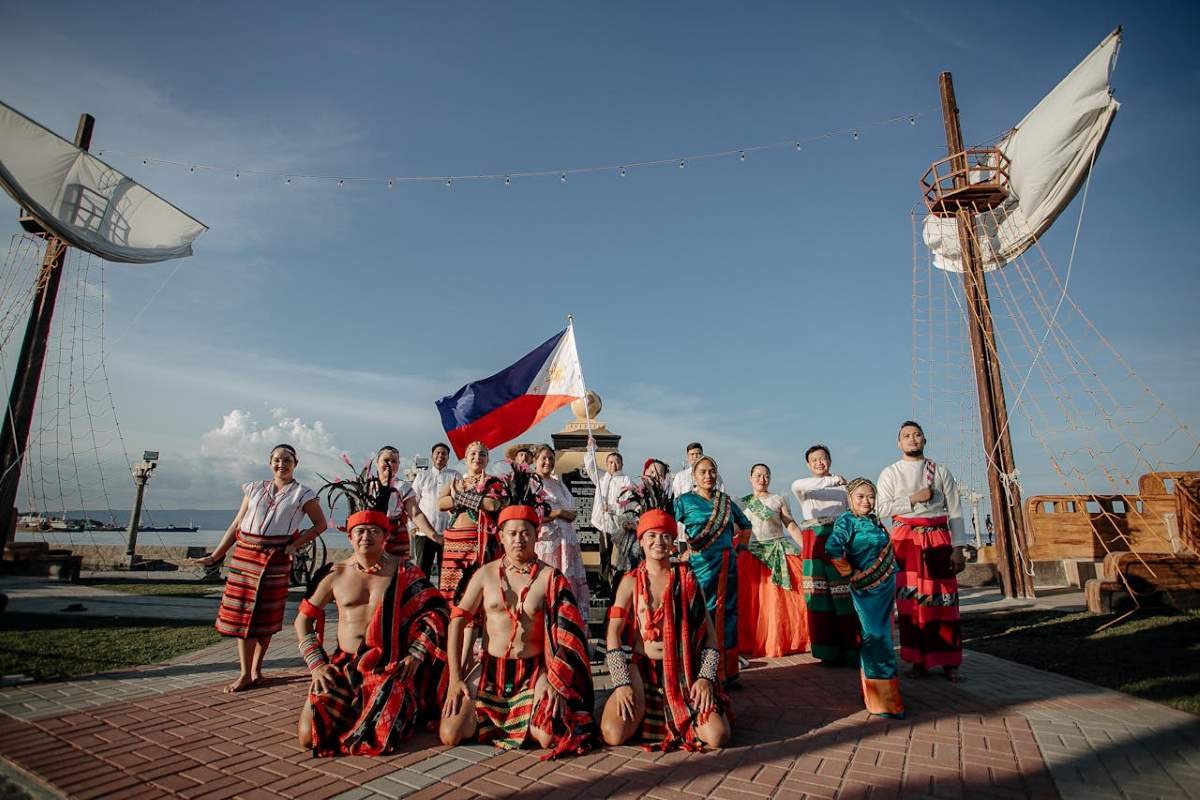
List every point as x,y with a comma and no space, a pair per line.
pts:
1050,152
84,201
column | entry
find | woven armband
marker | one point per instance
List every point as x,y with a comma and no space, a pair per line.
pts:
417,651
458,612
312,653
468,500
311,611
618,668
709,658
618,612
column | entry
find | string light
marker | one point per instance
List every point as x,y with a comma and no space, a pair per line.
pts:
288,181
622,169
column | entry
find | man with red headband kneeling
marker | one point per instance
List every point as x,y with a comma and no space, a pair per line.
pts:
670,695
387,673
535,682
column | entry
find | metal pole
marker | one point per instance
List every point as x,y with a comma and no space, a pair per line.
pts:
27,374
993,412
135,517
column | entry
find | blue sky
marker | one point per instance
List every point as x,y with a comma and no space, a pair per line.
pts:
758,306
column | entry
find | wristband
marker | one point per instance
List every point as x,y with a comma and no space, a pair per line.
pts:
312,653
417,651
618,668
709,658
311,611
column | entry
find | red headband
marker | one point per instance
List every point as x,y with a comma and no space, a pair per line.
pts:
656,519
646,466
368,518
527,513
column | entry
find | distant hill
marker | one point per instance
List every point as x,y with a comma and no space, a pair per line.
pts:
207,519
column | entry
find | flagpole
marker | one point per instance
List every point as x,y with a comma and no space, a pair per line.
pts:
587,411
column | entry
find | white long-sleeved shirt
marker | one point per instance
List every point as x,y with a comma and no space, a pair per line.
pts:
820,498
898,482
606,510
428,486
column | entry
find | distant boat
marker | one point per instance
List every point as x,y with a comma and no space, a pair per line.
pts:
32,522
168,528
66,525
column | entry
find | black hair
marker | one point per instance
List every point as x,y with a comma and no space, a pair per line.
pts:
908,423
764,466
442,445
388,448
289,448
693,446
814,449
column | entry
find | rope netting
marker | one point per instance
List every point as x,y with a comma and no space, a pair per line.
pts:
1083,421
76,461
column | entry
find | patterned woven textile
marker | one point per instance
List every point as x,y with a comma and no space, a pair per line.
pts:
255,588
926,593
833,629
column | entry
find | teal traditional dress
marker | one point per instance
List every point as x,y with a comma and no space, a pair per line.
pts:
710,528
861,548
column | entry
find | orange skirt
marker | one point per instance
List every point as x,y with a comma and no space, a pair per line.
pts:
771,621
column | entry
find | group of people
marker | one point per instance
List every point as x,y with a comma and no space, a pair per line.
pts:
499,650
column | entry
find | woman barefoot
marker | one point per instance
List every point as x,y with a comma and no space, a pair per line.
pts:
266,532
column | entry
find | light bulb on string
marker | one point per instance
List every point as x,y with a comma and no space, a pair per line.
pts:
340,182
563,177
288,181
448,182
622,172
391,183
145,163
797,147
681,163
191,169
856,136
507,180
742,155
237,175
912,120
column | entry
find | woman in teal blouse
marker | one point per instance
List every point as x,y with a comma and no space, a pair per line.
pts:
711,519
859,547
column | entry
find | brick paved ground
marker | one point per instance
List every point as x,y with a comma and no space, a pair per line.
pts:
1008,732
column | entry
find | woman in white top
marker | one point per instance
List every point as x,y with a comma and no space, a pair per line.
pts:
558,542
832,623
267,534
771,609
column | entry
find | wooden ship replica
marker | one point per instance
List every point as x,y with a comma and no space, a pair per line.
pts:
1127,530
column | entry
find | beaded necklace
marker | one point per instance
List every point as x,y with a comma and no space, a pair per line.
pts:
514,614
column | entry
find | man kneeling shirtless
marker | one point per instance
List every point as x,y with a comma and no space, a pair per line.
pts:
387,673
670,696
535,682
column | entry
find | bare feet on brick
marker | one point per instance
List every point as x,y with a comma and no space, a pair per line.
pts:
242,683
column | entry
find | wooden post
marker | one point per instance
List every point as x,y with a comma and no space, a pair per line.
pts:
27,374
1011,542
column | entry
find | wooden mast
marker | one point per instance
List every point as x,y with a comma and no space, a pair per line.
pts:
27,374
1011,543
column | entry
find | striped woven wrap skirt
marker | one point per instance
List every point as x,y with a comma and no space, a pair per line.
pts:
504,706
256,587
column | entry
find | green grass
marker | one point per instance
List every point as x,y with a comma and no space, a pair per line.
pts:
180,588
1154,654
50,646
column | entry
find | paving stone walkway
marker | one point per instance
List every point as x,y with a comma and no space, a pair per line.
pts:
1007,732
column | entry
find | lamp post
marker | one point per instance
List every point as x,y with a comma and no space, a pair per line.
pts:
141,476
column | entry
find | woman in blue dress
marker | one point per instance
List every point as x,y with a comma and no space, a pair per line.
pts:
860,548
711,520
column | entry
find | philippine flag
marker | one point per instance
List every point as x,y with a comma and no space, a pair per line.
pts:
501,407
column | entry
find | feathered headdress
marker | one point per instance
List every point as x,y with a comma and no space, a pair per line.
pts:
362,492
523,487
644,495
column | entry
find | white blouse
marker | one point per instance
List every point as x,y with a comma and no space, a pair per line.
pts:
820,498
273,512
